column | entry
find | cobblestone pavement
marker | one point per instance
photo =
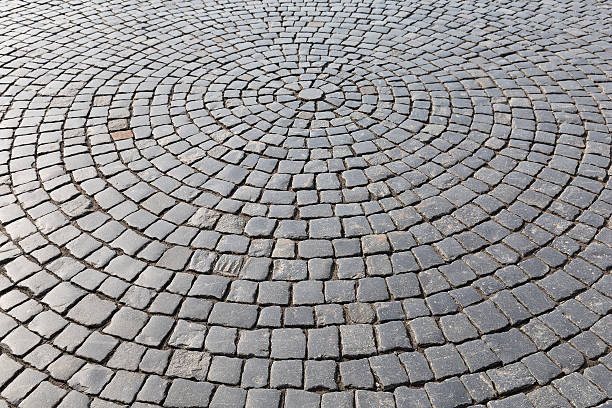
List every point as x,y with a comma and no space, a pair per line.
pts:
305,204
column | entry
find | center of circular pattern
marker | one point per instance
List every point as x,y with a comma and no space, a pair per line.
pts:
310,94
281,100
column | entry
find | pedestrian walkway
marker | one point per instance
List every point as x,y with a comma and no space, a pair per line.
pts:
326,204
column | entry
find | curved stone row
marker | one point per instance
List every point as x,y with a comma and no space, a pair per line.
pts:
269,204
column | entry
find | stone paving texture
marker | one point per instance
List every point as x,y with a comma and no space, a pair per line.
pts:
305,203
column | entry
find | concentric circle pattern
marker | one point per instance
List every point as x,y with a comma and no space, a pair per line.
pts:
305,203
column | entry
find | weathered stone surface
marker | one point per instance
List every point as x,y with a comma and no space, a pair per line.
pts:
305,204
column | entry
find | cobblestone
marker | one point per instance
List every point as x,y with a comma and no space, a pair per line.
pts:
298,204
